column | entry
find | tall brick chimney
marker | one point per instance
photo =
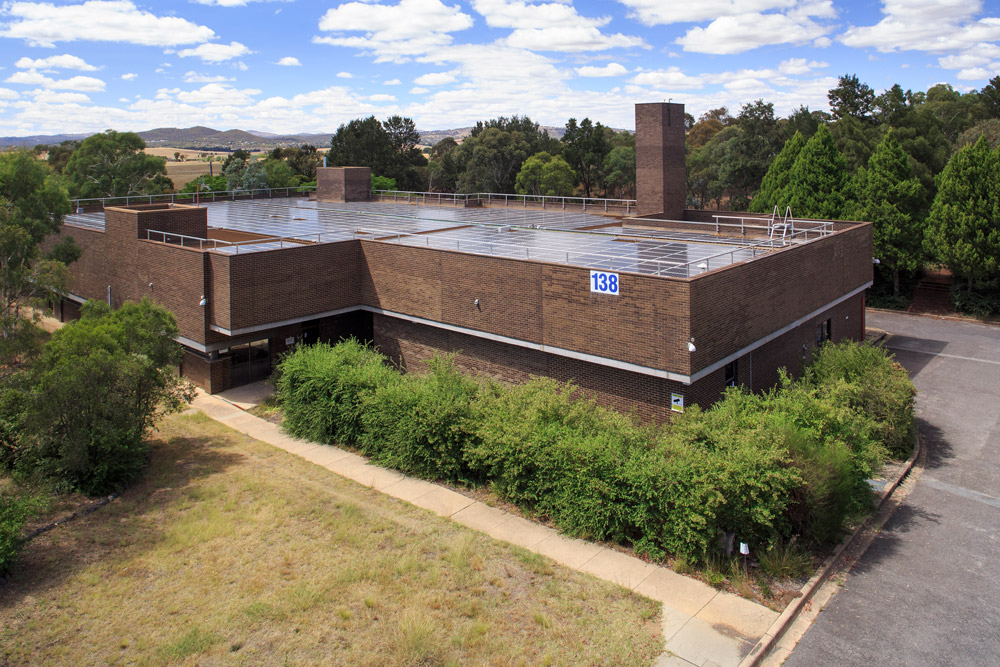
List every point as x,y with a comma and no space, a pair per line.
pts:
661,186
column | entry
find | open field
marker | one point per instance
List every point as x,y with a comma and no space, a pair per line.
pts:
187,153
234,552
183,172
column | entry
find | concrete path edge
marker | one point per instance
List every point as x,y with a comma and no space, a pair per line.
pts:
777,629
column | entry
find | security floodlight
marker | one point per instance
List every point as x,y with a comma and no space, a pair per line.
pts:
203,301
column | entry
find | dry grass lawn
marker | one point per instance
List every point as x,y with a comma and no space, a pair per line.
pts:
233,552
182,173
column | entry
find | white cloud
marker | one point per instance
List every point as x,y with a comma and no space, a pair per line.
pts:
658,12
925,25
392,82
129,76
417,90
344,75
43,96
382,98
978,73
671,78
196,77
611,69
213,95
739,33
570,38
289,61
435,79
8,94
227,3
33,78
44,24
65,61
551,26
215,52
241,66
946,26
393,32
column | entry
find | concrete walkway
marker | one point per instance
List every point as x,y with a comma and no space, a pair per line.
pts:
701,626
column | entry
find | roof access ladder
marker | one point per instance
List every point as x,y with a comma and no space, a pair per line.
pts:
785,226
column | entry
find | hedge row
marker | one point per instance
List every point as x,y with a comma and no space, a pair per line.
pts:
760,467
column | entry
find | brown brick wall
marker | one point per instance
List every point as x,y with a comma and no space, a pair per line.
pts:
175,218
210,375
659,159
274,285
550,304
411,345
117,258
735,306
343,184
796,347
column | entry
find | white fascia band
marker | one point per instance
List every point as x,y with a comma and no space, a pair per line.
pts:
562,352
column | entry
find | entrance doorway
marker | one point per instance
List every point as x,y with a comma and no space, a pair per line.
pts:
250,362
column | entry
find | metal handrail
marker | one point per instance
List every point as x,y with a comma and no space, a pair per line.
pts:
546,201
174,197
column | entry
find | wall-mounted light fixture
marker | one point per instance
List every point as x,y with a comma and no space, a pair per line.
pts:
476,303
691,347
203,301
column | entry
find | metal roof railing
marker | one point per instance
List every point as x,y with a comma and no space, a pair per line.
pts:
190,197
489,198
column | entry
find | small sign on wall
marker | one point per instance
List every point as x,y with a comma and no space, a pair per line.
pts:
290,340
603,282
677,402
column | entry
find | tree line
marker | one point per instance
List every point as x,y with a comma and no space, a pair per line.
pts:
923,167
115,164
503,155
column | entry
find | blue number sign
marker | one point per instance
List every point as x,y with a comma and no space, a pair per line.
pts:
604,283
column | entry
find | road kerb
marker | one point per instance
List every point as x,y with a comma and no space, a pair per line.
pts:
777,629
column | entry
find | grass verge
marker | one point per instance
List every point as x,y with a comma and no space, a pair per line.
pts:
231,551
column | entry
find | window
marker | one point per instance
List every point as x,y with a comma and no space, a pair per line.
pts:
731,374
823,332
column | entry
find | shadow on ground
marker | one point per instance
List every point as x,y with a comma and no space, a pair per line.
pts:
915,353
119,529
891,538
938,450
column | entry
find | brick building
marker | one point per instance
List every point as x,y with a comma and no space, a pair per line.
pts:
646,314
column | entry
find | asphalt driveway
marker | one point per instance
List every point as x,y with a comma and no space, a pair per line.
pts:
927,591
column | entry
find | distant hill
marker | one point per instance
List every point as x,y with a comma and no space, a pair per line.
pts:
35,139
431,137
205,138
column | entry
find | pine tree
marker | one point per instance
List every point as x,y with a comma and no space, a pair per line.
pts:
889,196
775,183
818,178
963,229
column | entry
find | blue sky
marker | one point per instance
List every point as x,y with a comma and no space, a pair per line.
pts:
296,66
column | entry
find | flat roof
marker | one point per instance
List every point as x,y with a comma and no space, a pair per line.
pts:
564,237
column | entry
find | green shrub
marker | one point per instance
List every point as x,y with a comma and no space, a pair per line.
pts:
785,561
761,467
746,462
97,390
321,388
982,301
421,424
15,510
875,387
